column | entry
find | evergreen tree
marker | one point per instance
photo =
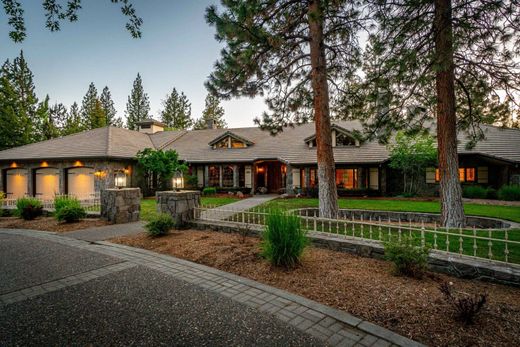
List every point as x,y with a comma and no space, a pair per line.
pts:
177,111
138,105
98,116
212,111
88,109
72,123
59,115
12,129
108,107
49,127
292,51
433,58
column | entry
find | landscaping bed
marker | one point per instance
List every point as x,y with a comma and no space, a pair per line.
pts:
49,224
363,287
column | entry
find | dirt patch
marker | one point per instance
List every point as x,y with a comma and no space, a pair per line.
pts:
49,224
363,287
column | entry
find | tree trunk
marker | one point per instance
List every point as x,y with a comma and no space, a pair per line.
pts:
452,211
328,194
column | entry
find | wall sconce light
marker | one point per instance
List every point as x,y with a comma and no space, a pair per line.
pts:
78,163
100,174
44,164
127,171
13,165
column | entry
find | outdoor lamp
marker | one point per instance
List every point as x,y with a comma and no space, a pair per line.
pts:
120,180
177,180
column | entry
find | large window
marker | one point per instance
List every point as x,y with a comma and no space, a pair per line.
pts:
227,176
214,176
343,140
237,144
466,174
222,143
347,178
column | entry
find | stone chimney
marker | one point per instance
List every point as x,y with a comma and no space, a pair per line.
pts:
150,126
210,123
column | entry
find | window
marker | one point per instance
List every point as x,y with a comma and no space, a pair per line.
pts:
466,174
237,144
313,178
343,140
470,174
346,178
214,176
222,143
227,176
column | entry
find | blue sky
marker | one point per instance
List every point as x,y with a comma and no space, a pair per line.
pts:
177,49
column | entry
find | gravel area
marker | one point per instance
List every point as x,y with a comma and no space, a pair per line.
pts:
49,224
27,261
363,287
141,307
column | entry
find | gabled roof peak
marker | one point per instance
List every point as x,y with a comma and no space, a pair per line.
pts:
229,133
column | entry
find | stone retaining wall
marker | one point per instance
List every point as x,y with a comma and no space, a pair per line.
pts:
121,205
180,205
455,265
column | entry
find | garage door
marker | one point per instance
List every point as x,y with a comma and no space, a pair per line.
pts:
16,185
47,183
81,182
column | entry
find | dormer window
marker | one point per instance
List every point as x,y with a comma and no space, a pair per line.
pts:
340,138
343,140
230,140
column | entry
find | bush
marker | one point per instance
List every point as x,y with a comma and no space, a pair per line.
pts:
491,193
509,192
209,191
159,225
283,239
474,192
408,260
70,214
29,208
65,201
465,305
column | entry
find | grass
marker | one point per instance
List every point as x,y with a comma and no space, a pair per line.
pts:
148,205
511,213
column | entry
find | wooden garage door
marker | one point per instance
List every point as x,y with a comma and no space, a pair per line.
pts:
47,183
16,183
81,182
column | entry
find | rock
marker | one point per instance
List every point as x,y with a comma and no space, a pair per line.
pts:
240,194
231,193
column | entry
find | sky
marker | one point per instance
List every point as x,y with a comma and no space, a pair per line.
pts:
177,49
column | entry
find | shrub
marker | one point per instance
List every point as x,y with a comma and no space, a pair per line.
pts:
209,191
159,225
509,192
409,260
65,201
29,208
465,305
283,239
491,193
474,192
70,214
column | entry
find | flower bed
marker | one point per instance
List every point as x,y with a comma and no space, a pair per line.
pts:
49,224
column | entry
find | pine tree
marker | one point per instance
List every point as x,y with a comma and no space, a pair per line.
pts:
138,105
177,111
110,111
212,111
59,115
89,114
291,51
72,123
433,58
49,127
12,129
98,116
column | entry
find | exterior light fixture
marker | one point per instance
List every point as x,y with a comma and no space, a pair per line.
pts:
44,164
13,165
77,163
120,180
178,180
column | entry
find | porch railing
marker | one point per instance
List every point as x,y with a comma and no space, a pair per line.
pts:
90,201
501,245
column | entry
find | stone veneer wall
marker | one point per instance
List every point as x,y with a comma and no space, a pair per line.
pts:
180,205
121,205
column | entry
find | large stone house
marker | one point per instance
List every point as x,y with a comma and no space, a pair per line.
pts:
241,158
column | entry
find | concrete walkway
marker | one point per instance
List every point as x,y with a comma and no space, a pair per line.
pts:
228,210
126,295
107,232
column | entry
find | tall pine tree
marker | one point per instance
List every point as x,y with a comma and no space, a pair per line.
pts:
138,105
212,112
72,123
108,107
90,115
48,128
292,51
177,111
12,127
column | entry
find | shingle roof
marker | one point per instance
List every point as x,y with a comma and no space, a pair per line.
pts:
288,146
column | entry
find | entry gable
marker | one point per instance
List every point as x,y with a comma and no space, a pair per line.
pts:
341,137
230,140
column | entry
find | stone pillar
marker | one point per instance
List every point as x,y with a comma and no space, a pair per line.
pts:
289,188
180,205
121,205
62,180
236,182
220,175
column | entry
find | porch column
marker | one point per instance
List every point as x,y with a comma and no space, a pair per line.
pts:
62,179
206,176
2,178
236,182
220,176
31,177
289,188
307,177
382,180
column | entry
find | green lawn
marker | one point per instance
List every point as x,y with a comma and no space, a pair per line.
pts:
511,213
148,205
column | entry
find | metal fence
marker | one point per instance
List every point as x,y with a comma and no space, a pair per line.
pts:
90,202
500,245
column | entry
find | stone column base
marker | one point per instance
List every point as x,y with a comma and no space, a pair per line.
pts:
121,205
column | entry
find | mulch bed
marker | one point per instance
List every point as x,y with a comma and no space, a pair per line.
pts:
49,224
363,287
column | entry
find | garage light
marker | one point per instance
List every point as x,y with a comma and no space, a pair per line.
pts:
78,163
44,164
13,165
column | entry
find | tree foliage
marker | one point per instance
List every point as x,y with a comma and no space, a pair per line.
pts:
177,111
107,104
412,154
55,13
162,164
138,105
214,112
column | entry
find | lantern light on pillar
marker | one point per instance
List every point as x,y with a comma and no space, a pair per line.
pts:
120,180
178,180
